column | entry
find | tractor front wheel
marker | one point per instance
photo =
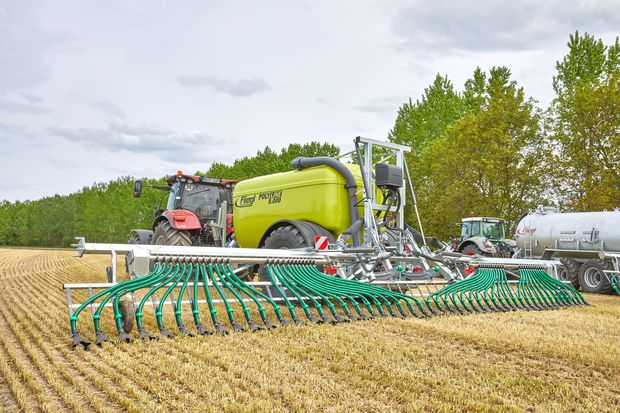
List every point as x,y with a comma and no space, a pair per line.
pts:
165,234
134,239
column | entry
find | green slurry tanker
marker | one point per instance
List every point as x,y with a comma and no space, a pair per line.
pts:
287,210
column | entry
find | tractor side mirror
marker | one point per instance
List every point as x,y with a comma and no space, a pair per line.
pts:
137,188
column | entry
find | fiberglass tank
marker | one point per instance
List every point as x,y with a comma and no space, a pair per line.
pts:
318,195
547,228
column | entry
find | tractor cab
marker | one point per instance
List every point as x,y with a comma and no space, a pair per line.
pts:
491,228
199,194
483,236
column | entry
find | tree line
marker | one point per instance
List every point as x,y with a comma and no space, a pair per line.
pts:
488,149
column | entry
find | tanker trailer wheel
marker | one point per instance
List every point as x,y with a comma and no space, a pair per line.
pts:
125,307
571,269
472,249
283,238
164,234
592,278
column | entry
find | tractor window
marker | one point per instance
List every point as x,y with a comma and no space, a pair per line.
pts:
172,197
202,200
493,230
466,230
475,228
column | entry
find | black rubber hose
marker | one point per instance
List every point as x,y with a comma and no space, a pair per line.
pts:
303,163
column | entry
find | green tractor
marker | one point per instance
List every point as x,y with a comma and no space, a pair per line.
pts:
483,236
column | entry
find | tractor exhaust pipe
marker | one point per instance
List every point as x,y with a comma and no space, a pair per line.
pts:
303,163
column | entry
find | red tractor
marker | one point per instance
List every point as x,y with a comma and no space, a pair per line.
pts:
198,213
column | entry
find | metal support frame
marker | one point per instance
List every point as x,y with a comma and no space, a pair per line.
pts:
370,203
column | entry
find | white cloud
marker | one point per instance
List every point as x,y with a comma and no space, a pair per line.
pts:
18,107
233,87
25,46
445,27
109,109
162,141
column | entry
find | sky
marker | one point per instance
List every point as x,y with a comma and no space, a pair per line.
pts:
91,90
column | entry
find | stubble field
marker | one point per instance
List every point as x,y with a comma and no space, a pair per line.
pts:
547,361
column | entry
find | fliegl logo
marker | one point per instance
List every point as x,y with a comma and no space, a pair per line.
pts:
526,231
245,201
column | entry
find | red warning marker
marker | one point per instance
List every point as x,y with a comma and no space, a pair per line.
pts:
320,243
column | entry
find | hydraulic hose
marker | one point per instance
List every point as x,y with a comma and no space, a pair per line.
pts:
246,311
229,310
219,328
351,185
253,293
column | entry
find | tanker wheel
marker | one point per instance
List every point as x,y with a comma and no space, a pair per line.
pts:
592,278
471,249
563,273
125,307
283,238
164,234
571,269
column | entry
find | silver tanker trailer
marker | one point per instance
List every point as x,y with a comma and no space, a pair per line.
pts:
587,244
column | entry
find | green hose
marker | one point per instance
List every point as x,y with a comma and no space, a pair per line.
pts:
246,311
160,307
219,328
614,280
283,277
200,328
229,310
254,294
162,280
289,305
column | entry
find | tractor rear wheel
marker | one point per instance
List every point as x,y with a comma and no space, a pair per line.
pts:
592,278
571,268
164,234
472,249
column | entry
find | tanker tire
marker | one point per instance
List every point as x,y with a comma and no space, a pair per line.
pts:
164,234
125,307
134,239
471,250
572,271
592,278
287,237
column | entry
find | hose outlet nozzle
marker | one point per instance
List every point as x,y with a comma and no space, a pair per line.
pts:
79,341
